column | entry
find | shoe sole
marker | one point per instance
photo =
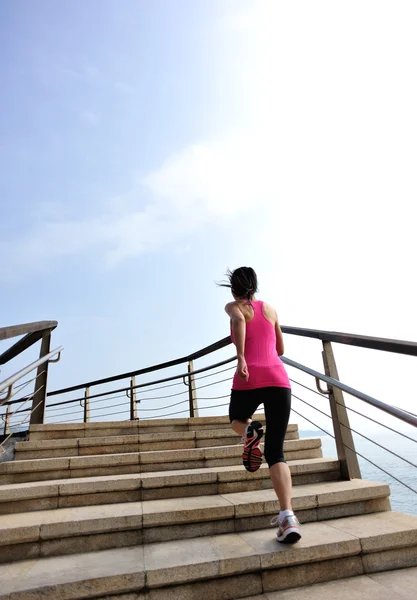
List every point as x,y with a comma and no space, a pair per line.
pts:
291,538
252,454
252,459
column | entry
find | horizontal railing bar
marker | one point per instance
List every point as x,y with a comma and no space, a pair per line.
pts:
15,330
201,387
11,402
357,432
21,346
40,361
94,396
384,344
21,422
359,413
349,339
395,412
209,349
362,341
147,384
173,363
355,451
12,393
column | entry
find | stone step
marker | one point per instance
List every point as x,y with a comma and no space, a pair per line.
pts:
90,528
121,444
397,585
43,469
82,430
64,493
220,567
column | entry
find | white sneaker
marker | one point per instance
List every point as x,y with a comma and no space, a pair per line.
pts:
288,529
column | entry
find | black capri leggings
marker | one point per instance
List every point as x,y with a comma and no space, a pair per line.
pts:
277,405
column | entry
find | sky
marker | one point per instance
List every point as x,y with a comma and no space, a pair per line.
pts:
145,147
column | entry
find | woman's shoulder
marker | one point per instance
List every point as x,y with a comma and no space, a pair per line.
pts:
266,303
230,306
269,311
238,309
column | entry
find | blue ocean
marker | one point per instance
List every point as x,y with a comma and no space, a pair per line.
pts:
403,499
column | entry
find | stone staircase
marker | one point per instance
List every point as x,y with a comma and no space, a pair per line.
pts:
163,509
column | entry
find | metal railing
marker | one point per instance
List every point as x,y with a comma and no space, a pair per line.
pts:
10,389
131,397
403,415
9,384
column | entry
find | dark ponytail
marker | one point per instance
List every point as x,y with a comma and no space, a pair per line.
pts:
243,282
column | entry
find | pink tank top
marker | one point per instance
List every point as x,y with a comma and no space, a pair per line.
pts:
264,365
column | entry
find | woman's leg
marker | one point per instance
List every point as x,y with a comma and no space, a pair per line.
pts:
241,408
277,404
239,427
243,403
281,481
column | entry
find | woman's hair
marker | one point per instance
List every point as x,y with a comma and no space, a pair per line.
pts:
243,282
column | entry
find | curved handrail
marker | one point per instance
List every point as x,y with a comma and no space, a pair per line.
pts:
172,363
15,330
402,415
350,339
387,408
10,381
34,332
140,385
385,344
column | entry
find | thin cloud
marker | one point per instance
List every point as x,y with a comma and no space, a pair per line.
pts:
90,118
203,184
124,88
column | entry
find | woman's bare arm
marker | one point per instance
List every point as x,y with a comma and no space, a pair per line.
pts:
280,339
238,324
271,314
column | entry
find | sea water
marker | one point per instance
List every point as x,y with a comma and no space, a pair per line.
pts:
402,498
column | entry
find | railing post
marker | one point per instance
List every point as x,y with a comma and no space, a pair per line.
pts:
39,396
87,405
349,465
133,405
192,391
6,419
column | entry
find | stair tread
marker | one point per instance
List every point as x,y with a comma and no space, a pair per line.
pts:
115,482
145,438
179,510
180,455
144,423
139,426
197,559
400,584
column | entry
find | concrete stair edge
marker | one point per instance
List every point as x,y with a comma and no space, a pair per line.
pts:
398,584
145,423
49,468
357,545
109,428
61,448
41,495
68,531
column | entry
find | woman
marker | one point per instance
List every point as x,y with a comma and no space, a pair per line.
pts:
261,378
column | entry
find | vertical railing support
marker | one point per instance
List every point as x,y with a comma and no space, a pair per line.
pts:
349,465
6,419
87,405
39,396
192,393
133,405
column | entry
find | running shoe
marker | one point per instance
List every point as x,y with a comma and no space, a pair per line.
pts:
252,454
288,529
